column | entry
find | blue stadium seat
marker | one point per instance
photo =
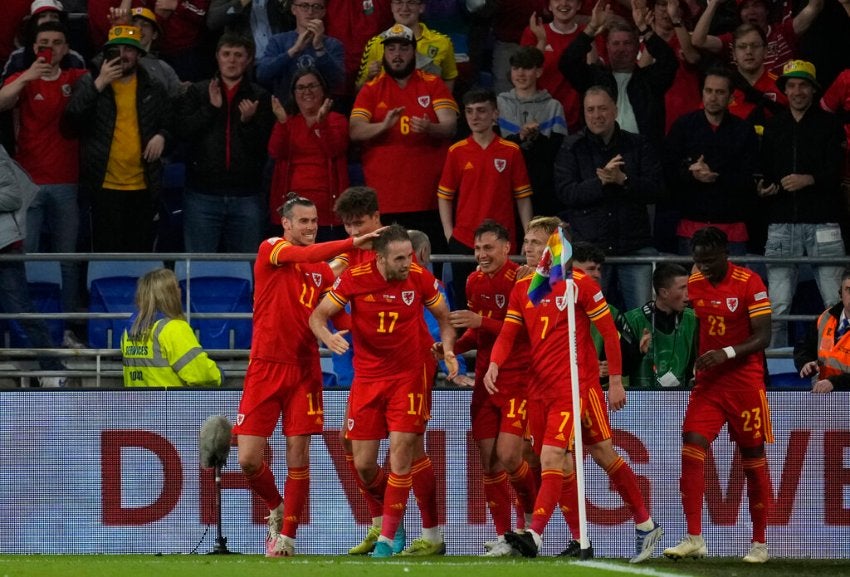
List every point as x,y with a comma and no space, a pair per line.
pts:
218,287
44,279
112,289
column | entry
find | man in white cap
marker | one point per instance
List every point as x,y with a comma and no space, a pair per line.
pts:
801,159
41,11
39,96
402,116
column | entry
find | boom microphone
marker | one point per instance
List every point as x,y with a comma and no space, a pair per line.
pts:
215,441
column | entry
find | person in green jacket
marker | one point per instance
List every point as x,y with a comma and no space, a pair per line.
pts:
159,348
659,338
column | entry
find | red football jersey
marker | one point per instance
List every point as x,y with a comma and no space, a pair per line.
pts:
724,312
48,154
552,80
288,282
388,160
386,318
548,331
488,296
485,182
837,98
740,107
782,43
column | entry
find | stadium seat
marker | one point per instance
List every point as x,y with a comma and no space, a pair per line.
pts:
112,289
218,287
44,279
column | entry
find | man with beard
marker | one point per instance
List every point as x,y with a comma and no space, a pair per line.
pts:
402,116
123,117
388,295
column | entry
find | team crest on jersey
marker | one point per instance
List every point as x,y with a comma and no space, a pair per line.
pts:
66,90
424,101
317,278
732,303
561,302
500,164
350,424
407,297
500,301
240,418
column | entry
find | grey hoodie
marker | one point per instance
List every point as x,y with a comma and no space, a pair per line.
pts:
540,108
17,191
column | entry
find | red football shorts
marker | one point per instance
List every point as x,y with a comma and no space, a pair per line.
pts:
378,406
491,415
745,410
275,389
558,426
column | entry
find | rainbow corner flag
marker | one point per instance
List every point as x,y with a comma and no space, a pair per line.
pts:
552,268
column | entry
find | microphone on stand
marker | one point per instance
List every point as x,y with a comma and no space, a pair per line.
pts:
214,446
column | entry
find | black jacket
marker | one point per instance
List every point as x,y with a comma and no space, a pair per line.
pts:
92,115
206,128
731,151
613,217
811,146
646,88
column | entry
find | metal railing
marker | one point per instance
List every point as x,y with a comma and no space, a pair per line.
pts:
106,362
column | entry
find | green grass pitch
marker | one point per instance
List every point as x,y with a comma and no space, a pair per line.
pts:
343,566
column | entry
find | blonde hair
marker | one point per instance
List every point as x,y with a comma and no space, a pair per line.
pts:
548,224
156,292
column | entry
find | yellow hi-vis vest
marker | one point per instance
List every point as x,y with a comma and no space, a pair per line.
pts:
170,357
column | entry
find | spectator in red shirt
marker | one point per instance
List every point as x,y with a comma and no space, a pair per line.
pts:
49,154
404,117
309,145
782,37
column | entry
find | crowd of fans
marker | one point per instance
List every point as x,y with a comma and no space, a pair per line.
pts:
636,122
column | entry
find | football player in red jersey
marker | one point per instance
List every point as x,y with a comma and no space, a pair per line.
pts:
284,378
733,311
498,420
387,296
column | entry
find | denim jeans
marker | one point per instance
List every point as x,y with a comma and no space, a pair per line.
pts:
789,240
14,298
230,223
633,280
55,210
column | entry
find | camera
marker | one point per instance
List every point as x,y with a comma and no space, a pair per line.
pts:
110,53
46,53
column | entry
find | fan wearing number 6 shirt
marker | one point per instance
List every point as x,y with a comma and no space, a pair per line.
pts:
405,119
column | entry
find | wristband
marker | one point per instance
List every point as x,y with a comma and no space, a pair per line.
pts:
730,352
645,31
677,24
